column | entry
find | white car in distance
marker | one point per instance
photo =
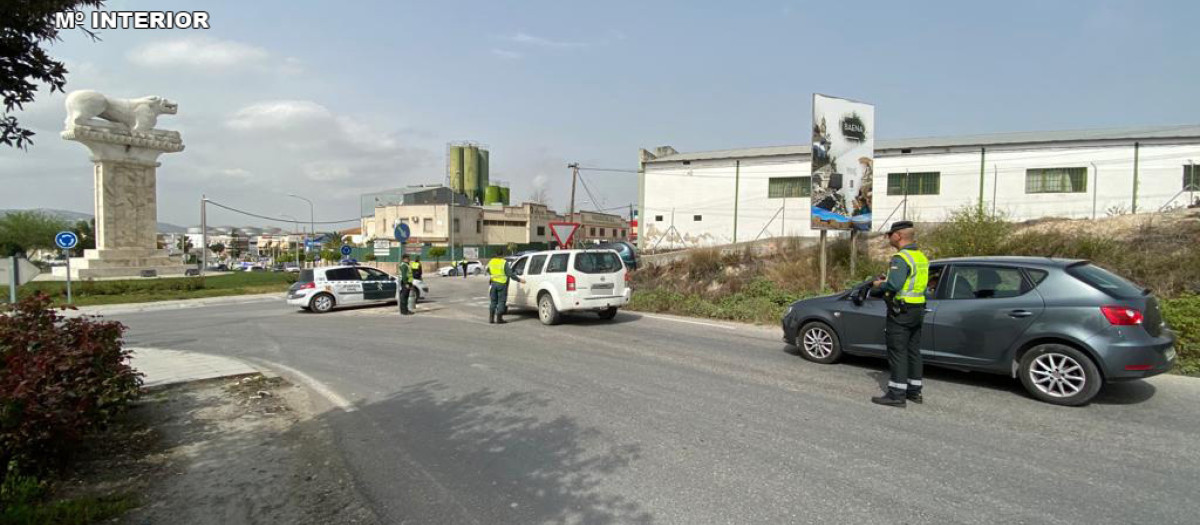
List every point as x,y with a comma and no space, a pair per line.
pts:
564,281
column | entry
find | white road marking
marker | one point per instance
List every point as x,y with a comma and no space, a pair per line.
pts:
333,397
702,323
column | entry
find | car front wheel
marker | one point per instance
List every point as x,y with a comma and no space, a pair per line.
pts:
819,343
1060,375
322,303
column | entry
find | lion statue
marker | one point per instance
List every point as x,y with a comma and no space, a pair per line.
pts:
139,115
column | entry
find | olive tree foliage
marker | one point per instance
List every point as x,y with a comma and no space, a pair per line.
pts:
26,29
22,232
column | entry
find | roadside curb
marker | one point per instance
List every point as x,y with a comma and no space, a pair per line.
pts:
164,367
173,305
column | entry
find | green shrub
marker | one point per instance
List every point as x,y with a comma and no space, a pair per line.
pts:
1183,316
969,231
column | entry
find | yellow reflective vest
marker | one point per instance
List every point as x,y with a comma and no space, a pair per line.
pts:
496,268
913,291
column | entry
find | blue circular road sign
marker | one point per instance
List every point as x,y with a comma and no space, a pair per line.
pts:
402,232
346,250
66,240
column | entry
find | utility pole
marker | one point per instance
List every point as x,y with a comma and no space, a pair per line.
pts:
574,177
1095,187
982,171
203,234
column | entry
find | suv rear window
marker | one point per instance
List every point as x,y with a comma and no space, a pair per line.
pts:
597,262
1105,281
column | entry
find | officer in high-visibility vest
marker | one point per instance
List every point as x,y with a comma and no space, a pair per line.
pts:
416,269
404,281
499,272
904,287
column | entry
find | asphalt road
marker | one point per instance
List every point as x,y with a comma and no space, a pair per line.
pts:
662,420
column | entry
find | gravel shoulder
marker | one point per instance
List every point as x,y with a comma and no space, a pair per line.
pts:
223,451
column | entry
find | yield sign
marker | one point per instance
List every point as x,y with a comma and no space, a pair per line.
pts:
563,232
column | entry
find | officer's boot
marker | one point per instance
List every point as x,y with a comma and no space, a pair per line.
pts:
893,398
500,319
491,318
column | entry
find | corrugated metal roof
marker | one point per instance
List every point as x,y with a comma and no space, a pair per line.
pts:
1190,131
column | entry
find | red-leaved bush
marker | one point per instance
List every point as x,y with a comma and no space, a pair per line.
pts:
59,379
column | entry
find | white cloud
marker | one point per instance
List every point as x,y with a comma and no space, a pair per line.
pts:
528,39
200,52
279,114
506,54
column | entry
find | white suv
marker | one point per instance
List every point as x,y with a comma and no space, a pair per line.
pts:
321,289
569,281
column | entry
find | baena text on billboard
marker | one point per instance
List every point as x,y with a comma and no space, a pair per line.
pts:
843,157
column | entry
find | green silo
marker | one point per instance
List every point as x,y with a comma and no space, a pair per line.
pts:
456,169
471,182
492,195
484,176
504,195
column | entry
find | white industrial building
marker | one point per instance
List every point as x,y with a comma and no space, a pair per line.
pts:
719,197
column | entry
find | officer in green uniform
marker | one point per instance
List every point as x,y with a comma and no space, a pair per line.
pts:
404,285
500,272
904,288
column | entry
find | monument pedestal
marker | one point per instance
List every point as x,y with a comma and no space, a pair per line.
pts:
125,168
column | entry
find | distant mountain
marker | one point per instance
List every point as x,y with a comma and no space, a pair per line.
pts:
72,216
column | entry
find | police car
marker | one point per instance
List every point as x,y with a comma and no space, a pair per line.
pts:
323,289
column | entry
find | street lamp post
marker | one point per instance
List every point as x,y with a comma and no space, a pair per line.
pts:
311,217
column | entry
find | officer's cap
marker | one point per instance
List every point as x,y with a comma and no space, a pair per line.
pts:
899,225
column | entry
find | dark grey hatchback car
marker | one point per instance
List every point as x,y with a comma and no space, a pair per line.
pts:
1064,327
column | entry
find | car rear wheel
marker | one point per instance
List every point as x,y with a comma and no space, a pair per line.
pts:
608,313
819,343
547,312
1060,375
321,303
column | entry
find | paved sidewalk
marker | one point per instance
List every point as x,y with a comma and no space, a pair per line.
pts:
123,308
167,367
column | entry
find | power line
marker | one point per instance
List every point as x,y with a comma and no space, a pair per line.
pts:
595,202
613,170
276,219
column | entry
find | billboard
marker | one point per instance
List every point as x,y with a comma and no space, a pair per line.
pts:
843,158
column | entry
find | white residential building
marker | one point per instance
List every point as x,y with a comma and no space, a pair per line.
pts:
717,197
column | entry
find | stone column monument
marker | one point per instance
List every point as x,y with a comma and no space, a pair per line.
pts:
125,147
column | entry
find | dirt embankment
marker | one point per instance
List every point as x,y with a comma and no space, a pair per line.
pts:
220,452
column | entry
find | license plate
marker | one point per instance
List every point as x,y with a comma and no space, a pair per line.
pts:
602,286
1171,354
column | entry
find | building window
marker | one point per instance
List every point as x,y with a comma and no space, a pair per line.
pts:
789,187
696,218
1191,178
1056,180
917,183
593,232
622,233
602,234
478,226
541,231
427,225
658,218
456,225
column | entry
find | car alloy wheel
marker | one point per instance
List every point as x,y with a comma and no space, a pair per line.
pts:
1057,375
547,312
818,343
322,303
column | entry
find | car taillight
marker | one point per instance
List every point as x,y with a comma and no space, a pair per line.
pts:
570,283
307,286
1122,315
628,278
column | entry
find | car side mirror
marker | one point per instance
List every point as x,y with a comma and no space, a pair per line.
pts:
391,278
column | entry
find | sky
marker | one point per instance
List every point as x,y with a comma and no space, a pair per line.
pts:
329,100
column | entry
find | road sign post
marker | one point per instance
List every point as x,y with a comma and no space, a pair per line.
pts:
17,271
67,240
